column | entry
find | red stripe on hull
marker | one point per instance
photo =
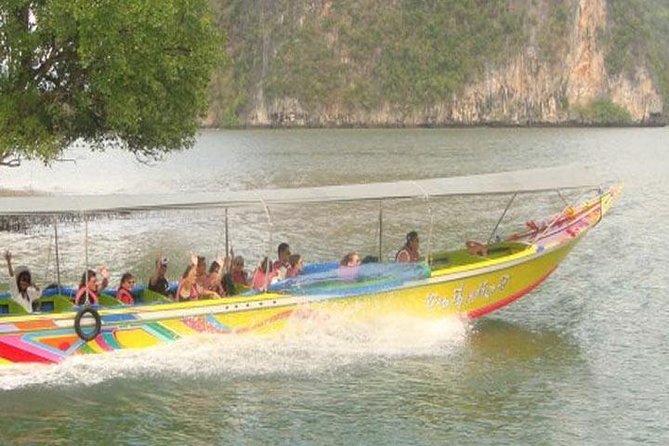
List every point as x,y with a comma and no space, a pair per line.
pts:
499,304
15,354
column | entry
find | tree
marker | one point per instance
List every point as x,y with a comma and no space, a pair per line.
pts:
132,74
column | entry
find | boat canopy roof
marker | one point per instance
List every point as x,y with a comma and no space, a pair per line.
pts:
512,182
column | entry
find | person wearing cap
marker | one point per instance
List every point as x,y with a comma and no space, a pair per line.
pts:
409,253
158,283
22,290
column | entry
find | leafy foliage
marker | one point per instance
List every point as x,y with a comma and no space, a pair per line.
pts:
133,74
603,111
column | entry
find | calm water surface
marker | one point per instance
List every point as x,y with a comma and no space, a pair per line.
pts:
582,360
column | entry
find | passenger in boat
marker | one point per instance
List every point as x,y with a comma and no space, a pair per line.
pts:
282,264
158,282
187,289
214,278
350,260
296,266
239,276
124,293
201,273
235,277
22,289
410,251
263,275
348,266
89,288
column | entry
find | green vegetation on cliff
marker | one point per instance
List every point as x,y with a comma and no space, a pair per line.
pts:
603,111
409,56
639,35
363,54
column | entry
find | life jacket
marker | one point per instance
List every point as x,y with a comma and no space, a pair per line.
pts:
412,256
82,297
125,296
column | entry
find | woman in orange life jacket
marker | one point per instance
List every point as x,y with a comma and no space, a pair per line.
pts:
410,251
124,293
89,288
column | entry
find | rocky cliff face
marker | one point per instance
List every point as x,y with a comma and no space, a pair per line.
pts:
526,90
529,91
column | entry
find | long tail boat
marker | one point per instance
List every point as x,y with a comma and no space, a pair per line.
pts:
469,282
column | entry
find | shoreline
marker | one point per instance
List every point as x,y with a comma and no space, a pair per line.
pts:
564,125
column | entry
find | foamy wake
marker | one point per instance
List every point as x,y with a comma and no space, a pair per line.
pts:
307,346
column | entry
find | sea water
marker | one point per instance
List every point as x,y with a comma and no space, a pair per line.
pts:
581,360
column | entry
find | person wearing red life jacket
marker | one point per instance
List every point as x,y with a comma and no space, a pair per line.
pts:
89,288
124,293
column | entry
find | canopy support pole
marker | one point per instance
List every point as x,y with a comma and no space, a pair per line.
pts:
380,230
55,231
506,209
227,240
426,196
270,227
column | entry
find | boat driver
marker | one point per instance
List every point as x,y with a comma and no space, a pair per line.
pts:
409,253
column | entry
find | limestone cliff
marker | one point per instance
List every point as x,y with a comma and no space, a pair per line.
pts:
525,88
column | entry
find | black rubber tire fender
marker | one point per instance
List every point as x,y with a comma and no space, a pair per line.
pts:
77,324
